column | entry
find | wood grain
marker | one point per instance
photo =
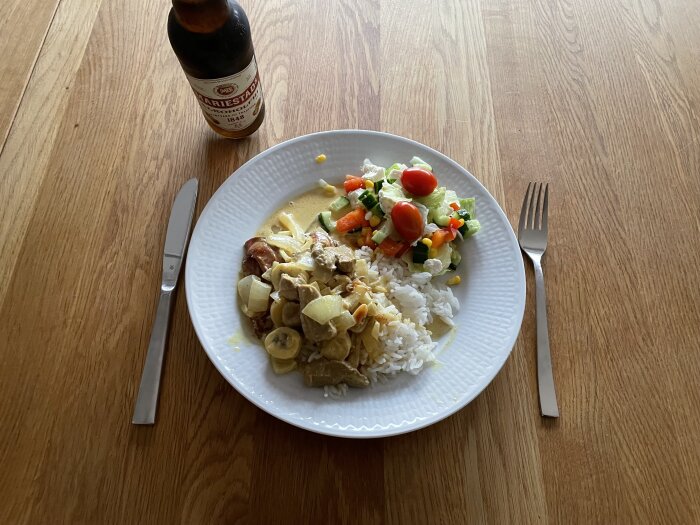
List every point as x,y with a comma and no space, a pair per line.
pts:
27,150
23,26
600,99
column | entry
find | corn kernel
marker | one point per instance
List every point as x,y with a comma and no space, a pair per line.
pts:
374,221
461,222
427,242
330,190
432,253
369,184
320,159
454,280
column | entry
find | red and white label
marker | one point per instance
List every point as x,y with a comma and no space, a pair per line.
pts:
232,103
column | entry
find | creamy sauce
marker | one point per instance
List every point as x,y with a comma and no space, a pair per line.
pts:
439,328
304,208
236,340
441,331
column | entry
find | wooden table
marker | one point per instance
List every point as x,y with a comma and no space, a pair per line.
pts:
98,130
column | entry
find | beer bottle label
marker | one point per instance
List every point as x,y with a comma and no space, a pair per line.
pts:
233,102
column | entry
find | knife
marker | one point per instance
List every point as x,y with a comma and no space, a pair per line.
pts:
176,238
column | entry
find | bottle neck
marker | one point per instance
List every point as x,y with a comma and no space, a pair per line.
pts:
201,16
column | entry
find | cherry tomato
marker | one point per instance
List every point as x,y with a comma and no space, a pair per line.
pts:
407,221
418,181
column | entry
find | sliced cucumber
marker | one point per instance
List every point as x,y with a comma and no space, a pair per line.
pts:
463,214
377,210
442,220
368,199
339,204
420,253
379,236
324,218
378,185
383,232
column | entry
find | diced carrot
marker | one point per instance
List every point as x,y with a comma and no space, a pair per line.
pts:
454,223
367,235
353,183
393,248
365,239
454,206
442,236
351,221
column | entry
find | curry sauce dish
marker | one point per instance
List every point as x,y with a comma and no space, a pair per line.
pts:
344,284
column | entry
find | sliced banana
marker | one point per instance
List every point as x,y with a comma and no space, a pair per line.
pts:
276,312
283,366
337,348
291,314
291,269
283,343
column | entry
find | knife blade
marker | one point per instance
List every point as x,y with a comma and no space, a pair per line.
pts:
176,238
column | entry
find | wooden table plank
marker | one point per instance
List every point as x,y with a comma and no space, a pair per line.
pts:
25,156
599,99
605,147
334,88
24,26
440,97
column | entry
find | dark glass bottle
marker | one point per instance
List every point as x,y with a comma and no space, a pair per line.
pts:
212,41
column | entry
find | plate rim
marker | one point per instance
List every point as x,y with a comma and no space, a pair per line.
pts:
342,432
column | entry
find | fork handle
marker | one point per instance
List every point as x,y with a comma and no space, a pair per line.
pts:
545,378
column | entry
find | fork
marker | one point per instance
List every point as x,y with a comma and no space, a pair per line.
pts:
532,236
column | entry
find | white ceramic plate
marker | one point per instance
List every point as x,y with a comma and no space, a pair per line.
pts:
492,292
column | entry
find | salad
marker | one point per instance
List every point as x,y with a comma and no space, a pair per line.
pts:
402,212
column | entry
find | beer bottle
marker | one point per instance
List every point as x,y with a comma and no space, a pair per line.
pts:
212,41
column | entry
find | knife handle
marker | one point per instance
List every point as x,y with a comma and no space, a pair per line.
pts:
147,400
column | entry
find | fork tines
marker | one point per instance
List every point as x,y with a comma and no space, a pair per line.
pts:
533,214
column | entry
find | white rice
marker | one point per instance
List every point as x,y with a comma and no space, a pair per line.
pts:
416,295
335,391
407,344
